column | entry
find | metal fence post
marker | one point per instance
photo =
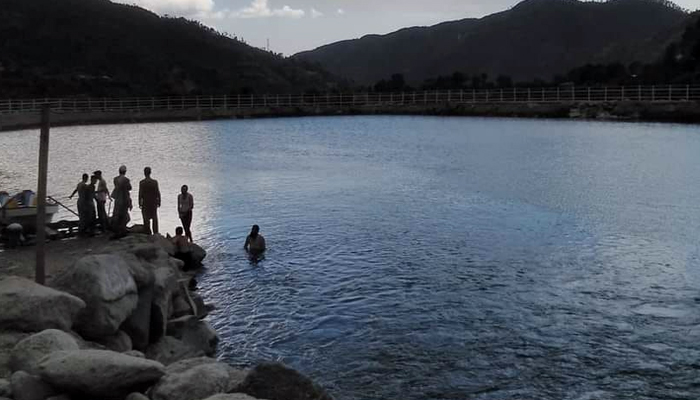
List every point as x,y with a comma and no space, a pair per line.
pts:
639,90
687,92
622,94
606,94
653,93
670,93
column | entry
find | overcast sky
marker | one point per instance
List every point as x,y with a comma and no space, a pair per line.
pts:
296,25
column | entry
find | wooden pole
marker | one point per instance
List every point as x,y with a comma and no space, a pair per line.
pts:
40,274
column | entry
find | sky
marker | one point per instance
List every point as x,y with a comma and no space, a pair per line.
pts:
292,26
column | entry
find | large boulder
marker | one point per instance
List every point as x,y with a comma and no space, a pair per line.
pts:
198,255
231,396
8,341
136,396
195,333
169,350
196,378
99,374
5,388
166,283
105,283
138,325
30,307
119,342
27,353
275,381
30,387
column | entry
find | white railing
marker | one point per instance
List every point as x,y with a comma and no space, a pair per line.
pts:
562,94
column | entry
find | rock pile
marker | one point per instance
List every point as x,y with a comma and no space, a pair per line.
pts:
123,325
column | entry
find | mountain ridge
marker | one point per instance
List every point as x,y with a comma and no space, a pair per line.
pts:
99,48
535,39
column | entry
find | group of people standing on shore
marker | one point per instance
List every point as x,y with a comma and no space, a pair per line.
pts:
93,195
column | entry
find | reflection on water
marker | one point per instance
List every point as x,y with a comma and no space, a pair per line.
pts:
432,258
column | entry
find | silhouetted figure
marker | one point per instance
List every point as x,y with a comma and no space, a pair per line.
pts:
122,203
185,204
90,215
255,242
149,201
101,196
82,190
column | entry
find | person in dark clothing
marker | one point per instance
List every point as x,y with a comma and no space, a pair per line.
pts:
149,201
82,191
89,205
185,204
122,203
101,196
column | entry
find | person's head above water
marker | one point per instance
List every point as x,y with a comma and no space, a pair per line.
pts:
178,231
122,170
254,231
184,189
147,172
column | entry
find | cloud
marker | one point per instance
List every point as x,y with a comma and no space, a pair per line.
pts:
261,9
315,13
340,11
180,7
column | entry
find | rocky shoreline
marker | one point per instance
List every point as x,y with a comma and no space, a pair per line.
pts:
122,324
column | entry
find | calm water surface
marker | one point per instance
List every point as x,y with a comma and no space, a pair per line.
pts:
432,258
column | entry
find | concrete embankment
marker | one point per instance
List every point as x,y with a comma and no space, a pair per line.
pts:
686,112
120,323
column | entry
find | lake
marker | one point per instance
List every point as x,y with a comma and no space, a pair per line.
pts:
430,258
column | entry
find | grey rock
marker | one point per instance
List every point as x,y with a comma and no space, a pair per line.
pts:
119,342
190,379
198,253
8,341
141,271
98,373
135,353
30,307
195,333
231,396
166,283
105,283
5,388
28,352
275,381
30,387
86,344
136,396
169,350
181,308
138,325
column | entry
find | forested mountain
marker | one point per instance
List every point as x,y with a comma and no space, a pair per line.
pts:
536,39
99,48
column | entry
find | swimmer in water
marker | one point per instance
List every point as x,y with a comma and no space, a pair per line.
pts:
255,242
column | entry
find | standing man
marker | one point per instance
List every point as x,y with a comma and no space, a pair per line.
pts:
101,195
122,203
185,204
149,201
81,190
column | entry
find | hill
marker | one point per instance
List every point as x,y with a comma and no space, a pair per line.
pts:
99,48
536,39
